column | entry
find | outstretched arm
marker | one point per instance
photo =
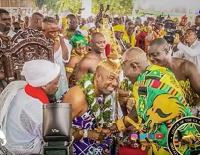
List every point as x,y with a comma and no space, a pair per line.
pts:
191,52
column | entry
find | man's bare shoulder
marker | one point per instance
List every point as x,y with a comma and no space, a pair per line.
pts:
75,96
179,62
88,59
188,65
90,55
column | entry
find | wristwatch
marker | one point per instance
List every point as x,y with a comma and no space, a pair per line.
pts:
85,133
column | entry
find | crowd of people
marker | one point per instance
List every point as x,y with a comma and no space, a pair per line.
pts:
120,76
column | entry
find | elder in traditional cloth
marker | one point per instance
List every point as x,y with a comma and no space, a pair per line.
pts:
159,99
91,102
21,106
185,71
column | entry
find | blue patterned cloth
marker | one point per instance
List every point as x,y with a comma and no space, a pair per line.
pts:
87,146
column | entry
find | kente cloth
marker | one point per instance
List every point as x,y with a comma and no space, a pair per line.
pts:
87,146
190,96
131,40
159,102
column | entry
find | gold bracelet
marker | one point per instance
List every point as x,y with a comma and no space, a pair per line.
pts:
120,125
129,120
69,69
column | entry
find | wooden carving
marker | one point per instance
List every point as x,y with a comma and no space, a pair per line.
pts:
27,49
27,33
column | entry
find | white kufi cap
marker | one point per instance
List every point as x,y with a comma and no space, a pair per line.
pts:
40,72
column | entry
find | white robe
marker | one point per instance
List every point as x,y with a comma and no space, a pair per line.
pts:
21,118
63,83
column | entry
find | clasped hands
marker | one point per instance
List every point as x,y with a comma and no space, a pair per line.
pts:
99,135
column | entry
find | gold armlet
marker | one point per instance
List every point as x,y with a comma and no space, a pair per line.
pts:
69,69
120,125
129,120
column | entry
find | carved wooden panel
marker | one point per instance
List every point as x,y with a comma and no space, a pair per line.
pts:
27,33
28,49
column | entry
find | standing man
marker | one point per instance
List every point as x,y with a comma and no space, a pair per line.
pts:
34,29
72,26
5,28
189,48
89,62
129,35
185,71
119,32
50,30
36,21
5,40
155,89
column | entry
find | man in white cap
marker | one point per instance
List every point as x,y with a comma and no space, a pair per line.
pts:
21,106
91,27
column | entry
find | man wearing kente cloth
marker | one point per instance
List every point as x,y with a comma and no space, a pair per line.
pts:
185,71
159,100
128,35
79,43
91,102
119,32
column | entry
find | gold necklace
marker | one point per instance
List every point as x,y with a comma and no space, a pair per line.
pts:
77,55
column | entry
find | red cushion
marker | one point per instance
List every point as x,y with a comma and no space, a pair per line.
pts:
131,151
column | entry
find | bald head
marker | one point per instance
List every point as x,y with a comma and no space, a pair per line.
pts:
135,54
96,35
97,42
134,63
159,52
158,41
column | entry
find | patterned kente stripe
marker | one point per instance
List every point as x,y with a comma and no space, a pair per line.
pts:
162,86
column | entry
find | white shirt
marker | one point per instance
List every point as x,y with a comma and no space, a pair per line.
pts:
11,33
191,53
63,83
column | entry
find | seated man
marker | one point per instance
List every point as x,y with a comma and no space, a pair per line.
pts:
155,89
21,106
92,102
185,71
